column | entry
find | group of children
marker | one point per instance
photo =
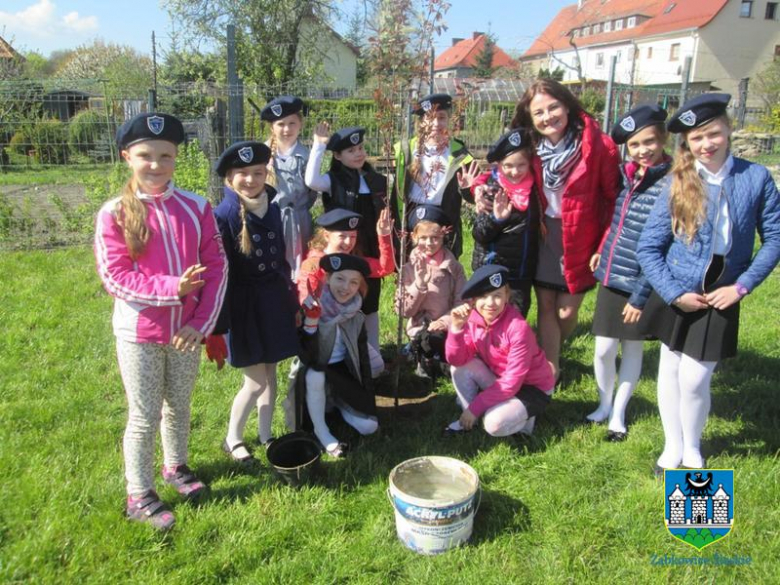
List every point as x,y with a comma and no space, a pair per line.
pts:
672,251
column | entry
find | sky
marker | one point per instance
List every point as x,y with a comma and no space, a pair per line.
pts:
49,25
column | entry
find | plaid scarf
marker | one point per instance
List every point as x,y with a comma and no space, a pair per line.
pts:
556,165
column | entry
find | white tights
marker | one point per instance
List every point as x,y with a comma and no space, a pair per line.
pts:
316,402
259,389
504,419
604,365
684,403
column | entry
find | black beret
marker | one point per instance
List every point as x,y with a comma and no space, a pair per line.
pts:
340,220
440,101
485,279
281,107
510,142
346,138
432,213
698,111
338,262
242,154
151,126
637,119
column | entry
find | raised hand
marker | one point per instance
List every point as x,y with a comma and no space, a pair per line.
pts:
459,315
312,310
421,275
384,226
190,280
467,175
502,208
322,132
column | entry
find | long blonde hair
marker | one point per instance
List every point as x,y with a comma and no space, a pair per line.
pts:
131,217
688,196
271,177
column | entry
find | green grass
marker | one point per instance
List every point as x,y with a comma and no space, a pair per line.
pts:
563,506
53,174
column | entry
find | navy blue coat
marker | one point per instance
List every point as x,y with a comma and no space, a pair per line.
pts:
261,301
675,267
619,267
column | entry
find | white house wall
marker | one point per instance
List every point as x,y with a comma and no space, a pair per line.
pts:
734,47
660,68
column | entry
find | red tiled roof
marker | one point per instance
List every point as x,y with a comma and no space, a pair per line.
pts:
465,53
7,51
683,15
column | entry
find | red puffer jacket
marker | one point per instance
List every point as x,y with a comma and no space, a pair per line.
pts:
588,202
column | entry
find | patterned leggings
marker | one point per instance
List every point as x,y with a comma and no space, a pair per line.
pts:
158,382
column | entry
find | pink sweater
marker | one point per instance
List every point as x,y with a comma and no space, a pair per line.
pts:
147,308
508,347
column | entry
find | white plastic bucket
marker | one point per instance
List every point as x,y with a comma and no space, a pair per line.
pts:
435,499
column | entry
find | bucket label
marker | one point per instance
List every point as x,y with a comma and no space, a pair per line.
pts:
434,516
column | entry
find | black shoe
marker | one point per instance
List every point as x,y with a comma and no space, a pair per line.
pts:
267,443
617,436
231,452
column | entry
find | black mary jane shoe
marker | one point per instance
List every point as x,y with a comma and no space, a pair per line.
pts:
617,436
338,452
231,452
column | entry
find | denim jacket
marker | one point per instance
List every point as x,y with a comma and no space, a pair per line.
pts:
675,267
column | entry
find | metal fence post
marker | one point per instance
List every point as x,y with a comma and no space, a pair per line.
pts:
235,90
743,95
686,76
608,101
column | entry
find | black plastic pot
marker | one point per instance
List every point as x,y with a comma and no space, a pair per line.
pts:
295,457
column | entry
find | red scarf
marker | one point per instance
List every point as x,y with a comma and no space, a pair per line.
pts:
519,193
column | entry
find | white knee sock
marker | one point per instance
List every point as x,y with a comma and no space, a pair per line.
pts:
669,407
365,425
605,370
630,370
695,380
315,402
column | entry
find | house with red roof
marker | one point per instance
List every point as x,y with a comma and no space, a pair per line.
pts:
460,59
650,39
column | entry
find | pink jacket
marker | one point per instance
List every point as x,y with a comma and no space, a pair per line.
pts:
443,293
184,232
508,347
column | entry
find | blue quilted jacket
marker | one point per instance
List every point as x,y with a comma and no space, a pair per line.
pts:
619,267
675,267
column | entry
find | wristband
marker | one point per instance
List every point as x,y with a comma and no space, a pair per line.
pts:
741,289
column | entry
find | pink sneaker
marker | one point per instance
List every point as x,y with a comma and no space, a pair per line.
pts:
184,481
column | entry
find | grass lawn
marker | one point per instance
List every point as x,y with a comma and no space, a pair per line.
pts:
562,507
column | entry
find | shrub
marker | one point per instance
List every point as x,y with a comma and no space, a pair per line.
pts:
192,169
45,140
90,134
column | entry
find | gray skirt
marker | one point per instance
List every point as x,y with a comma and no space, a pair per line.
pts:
549,268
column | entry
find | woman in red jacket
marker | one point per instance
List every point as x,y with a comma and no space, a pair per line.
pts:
579,167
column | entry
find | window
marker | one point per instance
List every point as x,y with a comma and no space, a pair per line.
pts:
619,24
599,60
771,11
608,26
631,22
746,9
777,52
674,53
596,29
649,52
575,33
585,31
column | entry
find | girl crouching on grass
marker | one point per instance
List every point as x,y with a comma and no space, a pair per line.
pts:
498,369
159,254
336,371
432,283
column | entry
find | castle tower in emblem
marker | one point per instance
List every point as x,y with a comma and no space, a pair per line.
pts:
720,506
677,506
